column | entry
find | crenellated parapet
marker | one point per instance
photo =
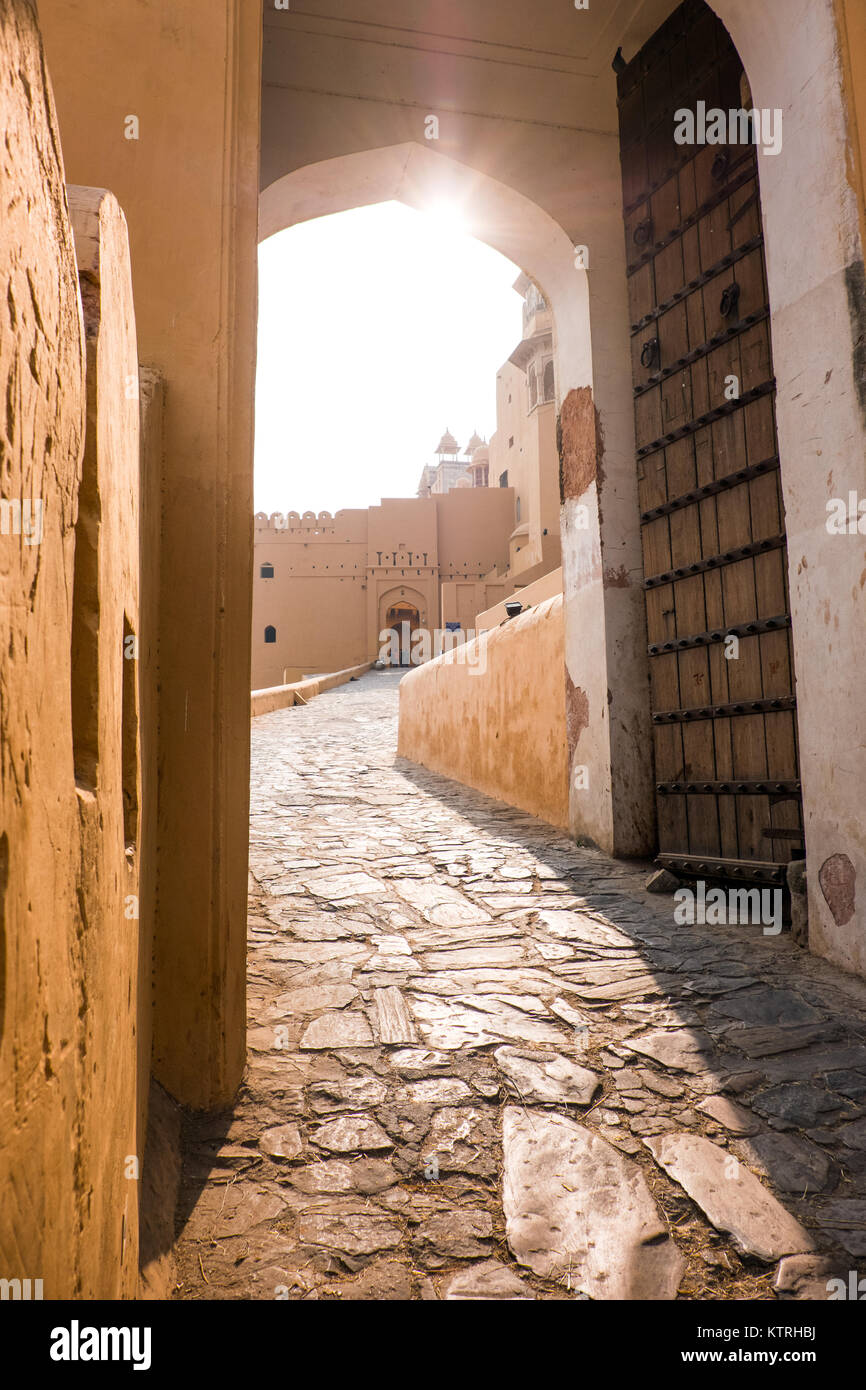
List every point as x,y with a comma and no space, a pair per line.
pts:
309,522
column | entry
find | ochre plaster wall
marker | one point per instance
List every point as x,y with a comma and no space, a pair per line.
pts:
72,1048
188,183
501,728
105,736
41,1031
547,587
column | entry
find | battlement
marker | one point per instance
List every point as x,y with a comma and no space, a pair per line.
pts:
295,521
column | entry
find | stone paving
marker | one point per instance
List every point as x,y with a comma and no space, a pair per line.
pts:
484,1063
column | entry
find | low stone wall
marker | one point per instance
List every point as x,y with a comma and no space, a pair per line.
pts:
284,696
547,587
492,714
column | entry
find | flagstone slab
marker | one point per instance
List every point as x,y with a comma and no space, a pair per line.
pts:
454,1235
391,945
347,1093
766,1006
283,1141
769,1041
844,1220
337,886
546,1078
807,1063
352,1233
576,926
569,1014
792,1163
352,1134
434,1090
853,1135
552,950
491,980
311,952
461,1140
393,1021
488,1281
418,1061
735,1118
687,1049
817,1278
308,1001
220,1213
349,1029
796,1104
334,1175
730,1196
451,1025
580,1213
479,957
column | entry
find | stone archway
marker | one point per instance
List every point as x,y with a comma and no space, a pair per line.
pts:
790,50
606,677
402,620
494,213
400,611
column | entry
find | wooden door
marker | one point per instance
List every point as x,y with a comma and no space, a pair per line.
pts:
712,519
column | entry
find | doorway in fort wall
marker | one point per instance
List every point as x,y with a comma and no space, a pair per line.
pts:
401,621
679,502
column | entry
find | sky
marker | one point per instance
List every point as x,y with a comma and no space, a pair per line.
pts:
378,328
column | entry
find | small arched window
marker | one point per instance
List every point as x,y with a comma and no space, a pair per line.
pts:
518,509
267,570
270,634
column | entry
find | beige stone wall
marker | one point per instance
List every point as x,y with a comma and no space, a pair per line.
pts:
498,726
301,692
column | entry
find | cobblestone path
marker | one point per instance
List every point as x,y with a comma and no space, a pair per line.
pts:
484,1063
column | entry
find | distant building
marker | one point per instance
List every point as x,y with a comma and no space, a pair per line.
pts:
483,526
522,452
325,586
447,472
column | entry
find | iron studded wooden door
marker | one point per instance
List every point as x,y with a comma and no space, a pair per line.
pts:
712,520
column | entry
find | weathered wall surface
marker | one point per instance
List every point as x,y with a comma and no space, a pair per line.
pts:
69,956
796,58
106,751
41,438
160,103
499,726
